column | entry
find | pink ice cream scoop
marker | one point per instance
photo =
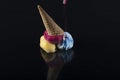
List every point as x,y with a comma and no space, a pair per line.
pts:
53,39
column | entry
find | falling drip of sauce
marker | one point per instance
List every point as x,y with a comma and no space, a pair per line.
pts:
65,14
64,2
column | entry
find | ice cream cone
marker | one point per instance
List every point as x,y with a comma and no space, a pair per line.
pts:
51,27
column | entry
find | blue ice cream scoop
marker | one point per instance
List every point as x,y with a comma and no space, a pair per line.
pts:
67,42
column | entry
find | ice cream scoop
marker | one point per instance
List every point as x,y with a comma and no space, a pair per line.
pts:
47,46
67,42
53,39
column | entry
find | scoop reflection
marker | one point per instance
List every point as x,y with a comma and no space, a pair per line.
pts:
56,61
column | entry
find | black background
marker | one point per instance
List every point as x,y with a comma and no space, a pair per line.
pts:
94,24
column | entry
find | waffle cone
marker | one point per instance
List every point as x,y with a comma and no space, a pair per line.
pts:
51,27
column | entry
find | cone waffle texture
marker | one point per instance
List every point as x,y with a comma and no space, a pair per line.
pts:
51,27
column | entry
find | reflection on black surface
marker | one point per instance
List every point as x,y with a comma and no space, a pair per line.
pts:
56,61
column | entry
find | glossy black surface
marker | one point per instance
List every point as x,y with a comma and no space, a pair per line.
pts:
95,26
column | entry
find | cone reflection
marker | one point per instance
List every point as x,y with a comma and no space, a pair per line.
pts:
56,61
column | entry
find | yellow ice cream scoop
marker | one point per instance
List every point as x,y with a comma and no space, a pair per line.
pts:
47,46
